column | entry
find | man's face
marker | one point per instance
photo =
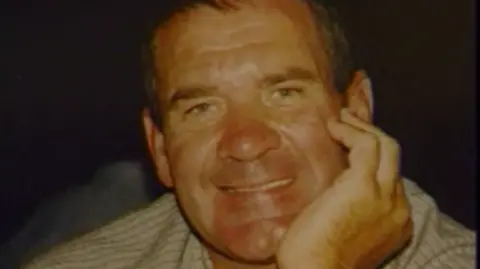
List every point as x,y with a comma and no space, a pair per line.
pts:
245,100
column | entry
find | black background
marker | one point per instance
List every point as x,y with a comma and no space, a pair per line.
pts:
73,91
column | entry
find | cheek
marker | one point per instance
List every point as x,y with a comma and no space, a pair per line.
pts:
188,159
307,127
324,151
188,156
309,134
198,205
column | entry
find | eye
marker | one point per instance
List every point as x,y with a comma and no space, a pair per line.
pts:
198,109
287,93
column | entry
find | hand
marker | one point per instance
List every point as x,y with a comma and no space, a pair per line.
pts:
363,217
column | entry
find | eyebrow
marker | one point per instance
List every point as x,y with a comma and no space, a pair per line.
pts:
292,73
197,91
188,93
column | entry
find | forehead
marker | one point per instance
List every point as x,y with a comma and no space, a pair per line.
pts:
203,16
251,38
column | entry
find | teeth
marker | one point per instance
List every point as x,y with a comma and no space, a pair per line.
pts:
263,187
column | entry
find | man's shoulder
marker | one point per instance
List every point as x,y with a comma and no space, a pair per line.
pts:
438,240
424,207
121,241
427,216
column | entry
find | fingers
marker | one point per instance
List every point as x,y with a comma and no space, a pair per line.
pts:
401,203
368,142
363,154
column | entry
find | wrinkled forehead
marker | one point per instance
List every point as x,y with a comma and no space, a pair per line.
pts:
265,17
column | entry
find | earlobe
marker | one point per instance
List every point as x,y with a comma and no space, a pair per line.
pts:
359,96
156,147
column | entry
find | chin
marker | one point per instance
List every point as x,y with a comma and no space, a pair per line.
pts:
237,254
250,252
253,256
257,259
255,242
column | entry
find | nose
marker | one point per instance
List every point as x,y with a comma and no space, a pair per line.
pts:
248,140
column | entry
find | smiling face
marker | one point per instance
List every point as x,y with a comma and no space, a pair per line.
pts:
245,99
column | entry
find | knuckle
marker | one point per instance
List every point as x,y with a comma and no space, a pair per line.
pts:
369,187
387,207
391,144
368,140
368,144
402,216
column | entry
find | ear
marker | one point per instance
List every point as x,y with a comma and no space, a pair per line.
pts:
156,148
359,96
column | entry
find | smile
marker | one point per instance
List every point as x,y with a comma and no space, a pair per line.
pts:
259,187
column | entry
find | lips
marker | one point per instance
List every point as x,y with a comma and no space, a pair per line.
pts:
261,187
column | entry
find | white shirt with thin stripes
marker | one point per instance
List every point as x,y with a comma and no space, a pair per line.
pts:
157,237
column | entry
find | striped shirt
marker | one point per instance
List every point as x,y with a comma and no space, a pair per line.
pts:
157,237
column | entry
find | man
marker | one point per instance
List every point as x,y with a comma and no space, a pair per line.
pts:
264,134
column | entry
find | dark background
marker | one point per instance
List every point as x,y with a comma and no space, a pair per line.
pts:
73,92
